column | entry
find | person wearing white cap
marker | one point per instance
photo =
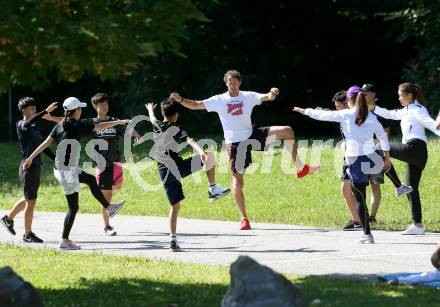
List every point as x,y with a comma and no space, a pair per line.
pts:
67,135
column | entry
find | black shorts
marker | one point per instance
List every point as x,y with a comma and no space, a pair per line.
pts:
30,181
111,176
172,183
240,156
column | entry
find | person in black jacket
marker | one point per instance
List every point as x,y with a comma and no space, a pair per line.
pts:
29,137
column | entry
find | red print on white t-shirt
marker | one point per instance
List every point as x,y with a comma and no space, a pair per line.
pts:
235,108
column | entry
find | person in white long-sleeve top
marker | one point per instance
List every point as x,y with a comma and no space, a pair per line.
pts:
419,278
414,119
361,154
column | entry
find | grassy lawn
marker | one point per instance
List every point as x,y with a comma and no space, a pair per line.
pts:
70,279
274,197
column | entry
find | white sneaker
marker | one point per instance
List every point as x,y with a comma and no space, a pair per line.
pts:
414,230
217,192
114,208
69,245
110,231
366,239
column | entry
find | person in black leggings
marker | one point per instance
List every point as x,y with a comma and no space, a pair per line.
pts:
414,119
361,154
68,134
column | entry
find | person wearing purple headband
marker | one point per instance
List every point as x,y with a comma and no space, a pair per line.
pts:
359,127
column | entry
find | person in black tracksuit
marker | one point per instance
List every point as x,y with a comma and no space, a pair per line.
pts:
29,137
414,119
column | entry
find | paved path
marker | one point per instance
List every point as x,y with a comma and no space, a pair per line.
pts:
285,248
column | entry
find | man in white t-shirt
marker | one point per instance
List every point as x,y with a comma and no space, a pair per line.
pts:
234,109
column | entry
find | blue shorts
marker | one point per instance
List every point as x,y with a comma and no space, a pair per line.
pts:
362,167
172,184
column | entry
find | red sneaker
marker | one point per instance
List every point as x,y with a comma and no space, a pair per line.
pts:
307,169
245,224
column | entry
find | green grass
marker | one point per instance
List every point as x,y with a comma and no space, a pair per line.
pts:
275,197
73,279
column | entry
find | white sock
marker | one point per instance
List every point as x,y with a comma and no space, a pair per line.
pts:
299,164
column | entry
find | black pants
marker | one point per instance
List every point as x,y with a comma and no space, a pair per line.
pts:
415,154
72,202
359,191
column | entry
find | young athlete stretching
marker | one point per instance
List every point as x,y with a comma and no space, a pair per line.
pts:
68,134
361,155
29,137
234,109
172,168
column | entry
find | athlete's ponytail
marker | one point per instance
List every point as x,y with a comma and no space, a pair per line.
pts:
415,90
361,109
67,114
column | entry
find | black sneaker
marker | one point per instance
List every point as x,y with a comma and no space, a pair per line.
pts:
110,231
31,238
174,247
9,224
352,226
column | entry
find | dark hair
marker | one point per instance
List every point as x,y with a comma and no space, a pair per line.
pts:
340,96
169,107
415,90
361,109
233,73
99,98
67,113
26,102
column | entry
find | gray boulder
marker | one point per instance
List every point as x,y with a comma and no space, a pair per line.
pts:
15,292
255,285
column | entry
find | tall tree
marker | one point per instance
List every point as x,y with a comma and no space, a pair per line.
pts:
49,40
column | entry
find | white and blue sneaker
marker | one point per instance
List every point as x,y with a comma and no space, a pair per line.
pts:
403,190
215,192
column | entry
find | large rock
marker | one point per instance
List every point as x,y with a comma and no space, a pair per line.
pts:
256,285
15,292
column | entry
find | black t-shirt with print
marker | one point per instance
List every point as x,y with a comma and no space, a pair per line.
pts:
111,135
71,129
168,137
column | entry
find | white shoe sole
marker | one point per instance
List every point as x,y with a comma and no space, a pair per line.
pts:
212,199
412,234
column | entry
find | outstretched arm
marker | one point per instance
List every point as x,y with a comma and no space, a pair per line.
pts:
331,116
273,93
426,120
37,151
43,114
389,114
188,103
110,124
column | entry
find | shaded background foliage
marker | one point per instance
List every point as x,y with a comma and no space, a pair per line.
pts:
308,49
